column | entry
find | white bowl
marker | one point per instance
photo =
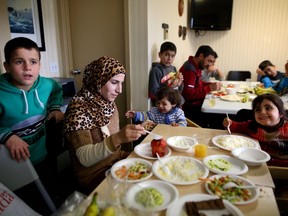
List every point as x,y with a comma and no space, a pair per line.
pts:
251,156
181,143
231,91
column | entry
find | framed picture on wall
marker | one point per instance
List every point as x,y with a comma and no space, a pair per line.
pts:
25,20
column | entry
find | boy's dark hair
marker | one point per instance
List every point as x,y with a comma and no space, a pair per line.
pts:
206,51
168,46
265,64
172,95
275,99
16,43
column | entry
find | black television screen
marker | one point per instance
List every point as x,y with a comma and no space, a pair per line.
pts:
211,14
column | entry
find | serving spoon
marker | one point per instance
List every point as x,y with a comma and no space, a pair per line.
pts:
232,184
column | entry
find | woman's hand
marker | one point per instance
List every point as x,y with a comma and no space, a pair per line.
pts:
128,133
226,122
18,148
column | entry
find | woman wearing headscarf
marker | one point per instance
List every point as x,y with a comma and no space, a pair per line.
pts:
92,123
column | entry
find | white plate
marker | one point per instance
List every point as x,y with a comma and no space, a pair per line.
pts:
239,141
230,97
128,163
198,170
144,150
254,191
178,208
236,166
168,191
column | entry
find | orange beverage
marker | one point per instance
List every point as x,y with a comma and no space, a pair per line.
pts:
200,150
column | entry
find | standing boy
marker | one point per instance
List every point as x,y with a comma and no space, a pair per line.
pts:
26,99
162,69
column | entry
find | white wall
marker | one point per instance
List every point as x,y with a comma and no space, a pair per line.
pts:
259,32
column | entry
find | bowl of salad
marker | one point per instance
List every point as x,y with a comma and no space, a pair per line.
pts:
181,143
132,170
238,196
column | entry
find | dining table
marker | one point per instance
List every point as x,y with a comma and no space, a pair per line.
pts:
259,175
223,106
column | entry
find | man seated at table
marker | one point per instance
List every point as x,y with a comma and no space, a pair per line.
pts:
195,89
212,72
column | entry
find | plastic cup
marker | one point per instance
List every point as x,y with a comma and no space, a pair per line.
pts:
212,100
200,150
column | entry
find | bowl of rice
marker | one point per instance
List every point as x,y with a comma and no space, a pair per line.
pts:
181,143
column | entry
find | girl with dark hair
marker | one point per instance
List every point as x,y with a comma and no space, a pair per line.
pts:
269,126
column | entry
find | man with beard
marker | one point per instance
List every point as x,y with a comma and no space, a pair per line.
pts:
195,89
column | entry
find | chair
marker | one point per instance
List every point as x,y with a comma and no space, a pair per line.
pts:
14,175
238,75
190,123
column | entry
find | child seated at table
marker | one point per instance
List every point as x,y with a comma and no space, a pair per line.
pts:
270,75
269,126
167,109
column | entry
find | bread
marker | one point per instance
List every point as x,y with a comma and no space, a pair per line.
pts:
192,208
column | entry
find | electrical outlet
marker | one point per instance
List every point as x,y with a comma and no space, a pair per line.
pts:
54,67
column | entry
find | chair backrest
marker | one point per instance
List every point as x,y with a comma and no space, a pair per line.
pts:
190,123
238,75
14,175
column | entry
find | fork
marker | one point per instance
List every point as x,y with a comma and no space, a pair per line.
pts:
228,127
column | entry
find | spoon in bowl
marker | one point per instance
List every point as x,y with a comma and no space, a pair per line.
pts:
164,167
232,184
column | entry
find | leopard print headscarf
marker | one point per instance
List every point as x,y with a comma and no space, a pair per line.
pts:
88,109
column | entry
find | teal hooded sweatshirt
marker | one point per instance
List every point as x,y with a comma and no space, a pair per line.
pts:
24,113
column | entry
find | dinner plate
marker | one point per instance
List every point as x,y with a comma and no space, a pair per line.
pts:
229,142
184,170
169,193
178,208
254,191
230,97
225,164
144,150
128,163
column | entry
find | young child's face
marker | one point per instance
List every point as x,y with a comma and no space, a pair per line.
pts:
164,106
24,68
270,71
167,57
267,114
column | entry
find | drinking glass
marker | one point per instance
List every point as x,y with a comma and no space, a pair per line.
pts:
212,100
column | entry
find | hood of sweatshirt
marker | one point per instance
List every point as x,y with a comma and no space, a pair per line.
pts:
6,86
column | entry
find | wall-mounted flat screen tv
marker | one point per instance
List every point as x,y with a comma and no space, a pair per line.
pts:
211,14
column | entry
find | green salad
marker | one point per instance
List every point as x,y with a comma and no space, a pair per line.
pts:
149,197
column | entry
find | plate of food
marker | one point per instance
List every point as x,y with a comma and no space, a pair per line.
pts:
231,97
183,170
132,170
144,150
218,93
237,196
151,196
229,142
202,204
225,164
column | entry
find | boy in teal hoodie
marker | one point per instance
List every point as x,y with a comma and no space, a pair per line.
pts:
26,101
